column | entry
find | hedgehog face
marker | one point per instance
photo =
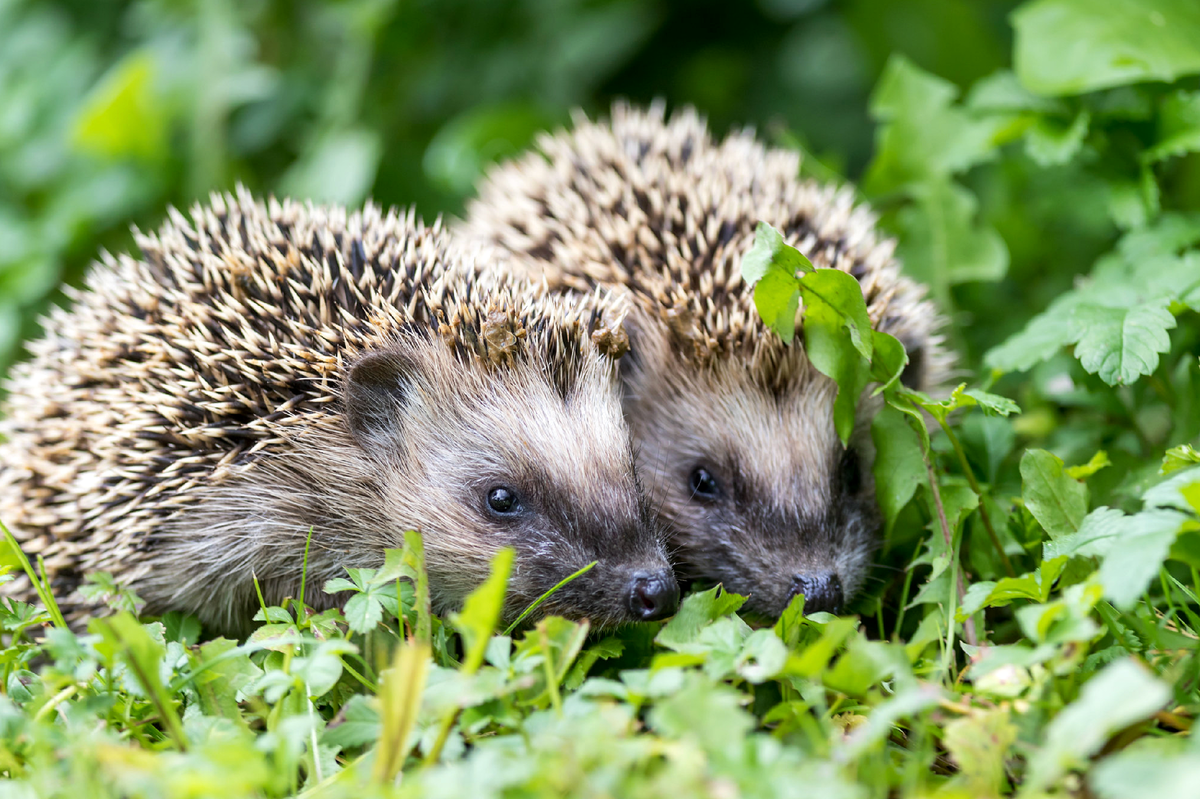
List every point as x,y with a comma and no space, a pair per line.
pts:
757,489
478,457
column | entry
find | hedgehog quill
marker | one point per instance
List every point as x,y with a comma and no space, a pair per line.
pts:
260,371
735,428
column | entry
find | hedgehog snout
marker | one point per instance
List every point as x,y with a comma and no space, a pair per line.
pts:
822,590
653,596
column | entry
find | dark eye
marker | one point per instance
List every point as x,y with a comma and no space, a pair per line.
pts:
849,473
504,501
703,485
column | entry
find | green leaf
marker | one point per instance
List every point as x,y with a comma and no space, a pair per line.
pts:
1121,344
1086,470
1180,457
1041,338
1055,500
993,404
771,267
1051,143
979,744
777,299
943,243
1131,548
837,338
1076,46
899,467
1142,772
1178,127
923,135
697,611
363,612
771,253
1034,585
482,611
361,725
1169,493
123,116
1124,692
143,655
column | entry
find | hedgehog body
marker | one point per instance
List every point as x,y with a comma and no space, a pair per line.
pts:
735,428
265,375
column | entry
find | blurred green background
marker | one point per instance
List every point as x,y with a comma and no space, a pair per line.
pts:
111,110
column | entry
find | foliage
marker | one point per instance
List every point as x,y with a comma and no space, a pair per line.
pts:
1033,627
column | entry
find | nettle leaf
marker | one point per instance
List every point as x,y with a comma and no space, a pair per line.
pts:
1118,319
1121,344
1124,692
1076,46
1042,337
1058,502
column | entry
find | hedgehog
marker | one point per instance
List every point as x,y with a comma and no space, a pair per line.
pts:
734,428
266,377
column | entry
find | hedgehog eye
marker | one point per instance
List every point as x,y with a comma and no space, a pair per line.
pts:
503,501
703,485
849,473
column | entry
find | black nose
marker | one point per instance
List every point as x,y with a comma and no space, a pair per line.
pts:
653,596
822,591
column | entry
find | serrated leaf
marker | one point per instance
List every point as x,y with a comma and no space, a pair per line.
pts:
1122,693
363,612
1055,500
1075,46
1042,337
1121,344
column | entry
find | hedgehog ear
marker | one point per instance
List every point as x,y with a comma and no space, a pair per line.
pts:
376,393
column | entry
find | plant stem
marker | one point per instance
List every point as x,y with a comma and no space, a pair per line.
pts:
983,514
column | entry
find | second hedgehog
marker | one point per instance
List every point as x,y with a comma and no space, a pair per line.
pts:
259,375
735,428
